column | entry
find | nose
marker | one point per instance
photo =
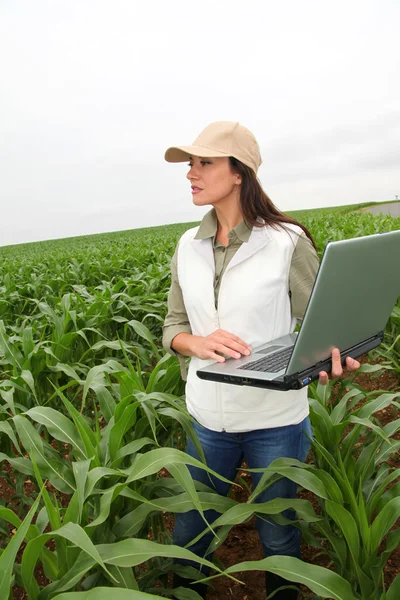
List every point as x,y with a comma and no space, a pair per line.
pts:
192,173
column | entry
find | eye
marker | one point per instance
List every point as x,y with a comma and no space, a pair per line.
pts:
205,162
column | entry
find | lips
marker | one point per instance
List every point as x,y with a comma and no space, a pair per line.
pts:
195,190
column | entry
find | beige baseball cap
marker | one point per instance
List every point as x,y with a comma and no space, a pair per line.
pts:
222,138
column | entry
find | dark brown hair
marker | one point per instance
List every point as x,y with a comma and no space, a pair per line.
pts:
256,204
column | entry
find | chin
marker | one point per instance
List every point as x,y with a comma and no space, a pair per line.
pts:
199,202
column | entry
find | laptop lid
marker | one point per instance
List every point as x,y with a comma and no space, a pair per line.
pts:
357,286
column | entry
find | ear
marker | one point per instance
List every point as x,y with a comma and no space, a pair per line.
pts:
238,179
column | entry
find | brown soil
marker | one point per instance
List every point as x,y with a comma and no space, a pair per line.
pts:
243,542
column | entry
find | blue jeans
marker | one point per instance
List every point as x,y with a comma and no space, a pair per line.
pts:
224,454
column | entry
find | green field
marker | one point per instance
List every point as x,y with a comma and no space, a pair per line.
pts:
91,411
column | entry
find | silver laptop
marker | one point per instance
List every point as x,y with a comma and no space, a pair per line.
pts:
356,288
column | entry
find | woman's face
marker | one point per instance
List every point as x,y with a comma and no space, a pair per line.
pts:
212,181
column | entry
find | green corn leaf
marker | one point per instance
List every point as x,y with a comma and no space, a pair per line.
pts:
105,400
324,420
323,392
103,593
98,473
122,405
363,523
118,430
68,370
299,473
392,427
133,447
393,592
386,518
151,414
10,516
365,464
187,423
114,345
129,553
154,460
321,451
107,498
321,581
22,465
332,489
340,410
124,576
338,544
9,350
386,451
71,515
379,403
143,332
42,519
181,474
27,341
71,532
370,425
6,428
7,559
346,523
87,436
96,378
52,512
243,512
155,373
28,378
378,488
58,426
53,563
131,523
81,470
81,567
378,562
8,397
50,468
126,553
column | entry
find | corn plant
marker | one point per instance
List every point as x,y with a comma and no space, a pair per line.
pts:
389,351
90,411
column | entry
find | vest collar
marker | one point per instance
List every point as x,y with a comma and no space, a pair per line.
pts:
259,238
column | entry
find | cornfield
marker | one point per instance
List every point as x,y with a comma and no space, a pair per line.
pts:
92,417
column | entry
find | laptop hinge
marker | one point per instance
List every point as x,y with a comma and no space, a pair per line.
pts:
306,376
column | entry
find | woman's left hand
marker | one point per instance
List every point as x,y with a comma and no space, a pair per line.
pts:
337,369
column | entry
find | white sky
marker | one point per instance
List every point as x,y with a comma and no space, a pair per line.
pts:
92,92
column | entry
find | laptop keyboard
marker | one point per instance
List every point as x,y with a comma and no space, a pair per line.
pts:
272,363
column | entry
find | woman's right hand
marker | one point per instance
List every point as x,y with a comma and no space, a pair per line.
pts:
219,343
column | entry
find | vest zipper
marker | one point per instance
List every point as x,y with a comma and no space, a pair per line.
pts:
218,388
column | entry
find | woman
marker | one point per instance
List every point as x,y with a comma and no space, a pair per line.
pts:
240,279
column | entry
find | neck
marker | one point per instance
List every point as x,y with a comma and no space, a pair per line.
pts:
228,215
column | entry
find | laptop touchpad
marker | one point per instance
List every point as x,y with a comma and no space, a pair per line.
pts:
269,349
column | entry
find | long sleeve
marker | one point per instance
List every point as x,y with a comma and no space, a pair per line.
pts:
303,271
177,320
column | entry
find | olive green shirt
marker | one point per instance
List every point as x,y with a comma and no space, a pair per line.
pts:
303,270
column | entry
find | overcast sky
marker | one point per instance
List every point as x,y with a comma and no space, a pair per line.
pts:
92,92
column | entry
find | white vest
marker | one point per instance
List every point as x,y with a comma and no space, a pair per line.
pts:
254,304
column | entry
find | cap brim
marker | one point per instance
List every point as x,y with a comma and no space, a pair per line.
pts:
183,153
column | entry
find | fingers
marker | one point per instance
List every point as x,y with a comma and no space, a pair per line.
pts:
352,364
218,344
229,344
216,357
233,341
323,378
337,369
